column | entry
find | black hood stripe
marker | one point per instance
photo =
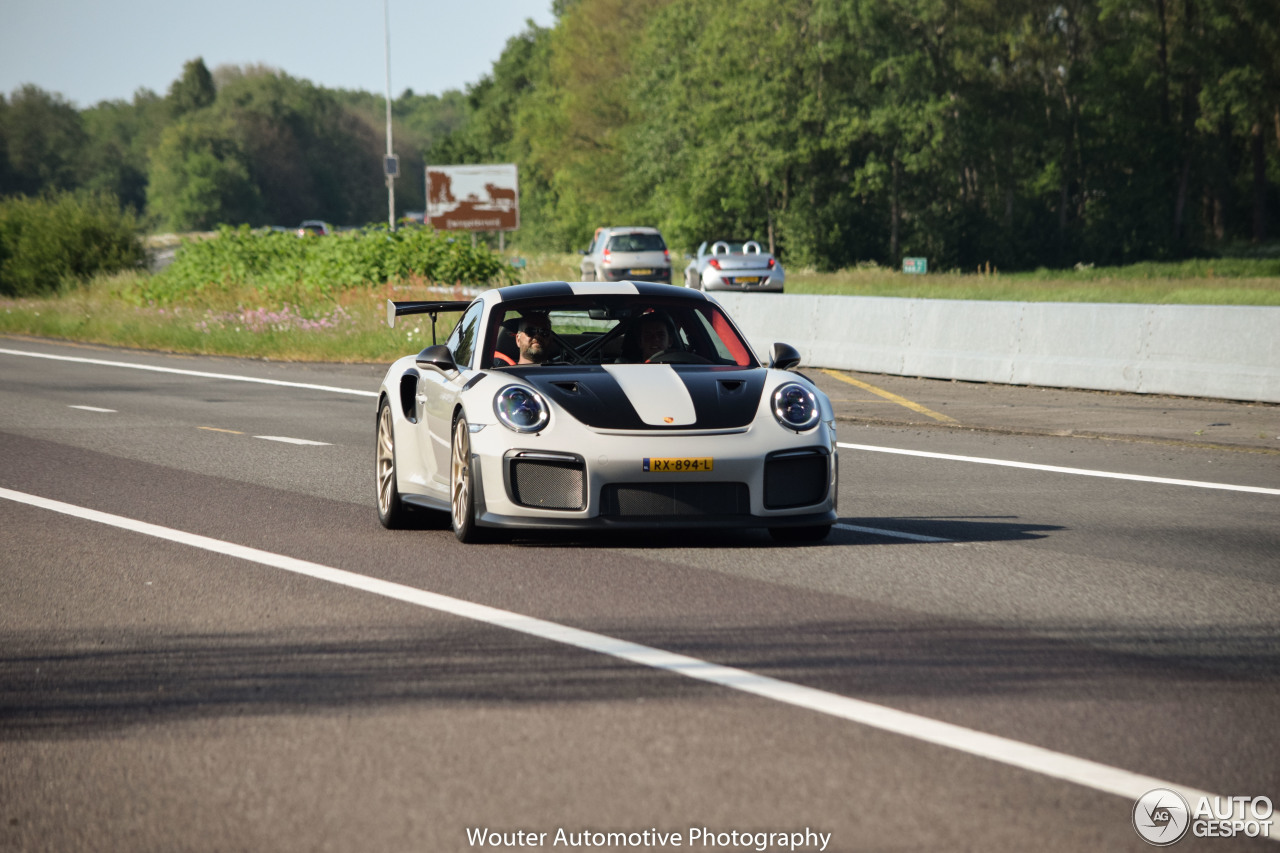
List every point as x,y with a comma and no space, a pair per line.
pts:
723,397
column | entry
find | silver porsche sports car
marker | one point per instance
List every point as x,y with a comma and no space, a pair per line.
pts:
602,406
734,265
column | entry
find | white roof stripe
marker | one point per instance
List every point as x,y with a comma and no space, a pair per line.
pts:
591,288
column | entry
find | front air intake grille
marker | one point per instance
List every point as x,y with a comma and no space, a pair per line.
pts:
795,479
674,499
548,483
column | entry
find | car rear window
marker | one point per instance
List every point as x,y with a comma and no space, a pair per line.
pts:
636,243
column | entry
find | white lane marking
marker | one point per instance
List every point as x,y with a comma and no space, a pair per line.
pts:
1069,768
200,373
1083,472
914,537
93,409
288,440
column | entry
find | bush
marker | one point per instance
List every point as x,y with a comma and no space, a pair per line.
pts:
63,238
282,265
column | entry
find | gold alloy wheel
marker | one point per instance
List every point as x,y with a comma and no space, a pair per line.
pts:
460,480
388,500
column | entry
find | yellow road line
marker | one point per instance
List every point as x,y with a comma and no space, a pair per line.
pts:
215,429
889,395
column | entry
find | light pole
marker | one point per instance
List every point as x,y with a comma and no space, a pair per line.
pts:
390,166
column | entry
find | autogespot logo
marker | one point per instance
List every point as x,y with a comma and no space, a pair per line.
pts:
1161,817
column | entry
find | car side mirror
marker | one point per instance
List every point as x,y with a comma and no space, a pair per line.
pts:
437,356
783,357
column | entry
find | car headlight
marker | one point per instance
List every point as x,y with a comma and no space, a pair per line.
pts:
521,409
795,406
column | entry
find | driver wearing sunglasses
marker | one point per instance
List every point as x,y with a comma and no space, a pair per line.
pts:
533,337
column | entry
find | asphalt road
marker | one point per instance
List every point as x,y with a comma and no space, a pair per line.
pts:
1038,605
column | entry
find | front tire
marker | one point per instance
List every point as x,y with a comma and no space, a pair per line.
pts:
462,496
392,512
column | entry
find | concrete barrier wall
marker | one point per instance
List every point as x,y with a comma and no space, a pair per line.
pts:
1224,352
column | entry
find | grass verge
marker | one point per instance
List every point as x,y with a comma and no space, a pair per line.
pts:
351,326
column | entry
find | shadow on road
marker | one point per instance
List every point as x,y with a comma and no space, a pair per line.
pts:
56,686
872,531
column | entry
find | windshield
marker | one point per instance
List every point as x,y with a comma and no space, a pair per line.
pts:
613,330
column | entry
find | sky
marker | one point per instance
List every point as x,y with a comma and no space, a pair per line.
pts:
94,50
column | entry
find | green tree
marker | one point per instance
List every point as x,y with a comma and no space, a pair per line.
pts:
523,73
193,90
62,238
429,118
121,136
310,156
199,176
417,121
269,148
510,117
1014,132
1239,116
43,142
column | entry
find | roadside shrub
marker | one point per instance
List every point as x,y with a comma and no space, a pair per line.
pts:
64,238
282,265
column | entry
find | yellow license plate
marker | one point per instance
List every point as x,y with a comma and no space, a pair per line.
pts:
676,466
749,279
641,272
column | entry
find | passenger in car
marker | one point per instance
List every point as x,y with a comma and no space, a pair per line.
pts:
651,335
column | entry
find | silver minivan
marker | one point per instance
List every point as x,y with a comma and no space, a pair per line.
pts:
635,253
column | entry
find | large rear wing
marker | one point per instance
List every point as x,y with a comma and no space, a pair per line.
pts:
396,309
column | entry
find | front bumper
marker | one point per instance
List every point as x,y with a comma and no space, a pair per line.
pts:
600,482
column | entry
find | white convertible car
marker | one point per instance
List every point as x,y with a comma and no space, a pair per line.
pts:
602,406
734,265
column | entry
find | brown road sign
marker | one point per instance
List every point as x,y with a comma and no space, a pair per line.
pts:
473,198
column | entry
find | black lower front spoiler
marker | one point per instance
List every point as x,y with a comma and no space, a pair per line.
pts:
656,522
